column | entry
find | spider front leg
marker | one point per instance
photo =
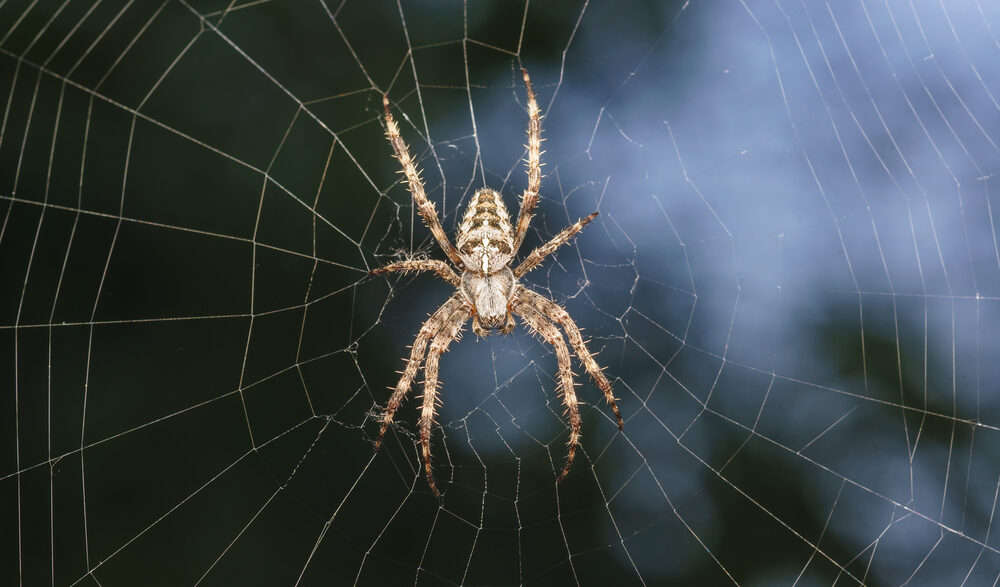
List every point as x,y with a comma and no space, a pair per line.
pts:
432,326
560,316
439,267
451,331
541,325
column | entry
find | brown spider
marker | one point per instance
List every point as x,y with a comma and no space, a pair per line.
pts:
488,290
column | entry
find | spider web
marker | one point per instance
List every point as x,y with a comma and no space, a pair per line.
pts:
794,285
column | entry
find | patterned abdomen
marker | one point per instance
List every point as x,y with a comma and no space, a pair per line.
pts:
485,237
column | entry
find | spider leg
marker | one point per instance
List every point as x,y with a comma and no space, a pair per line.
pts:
432,326
530,197
451,330
536,256
416,185
439,267
541,325
560,316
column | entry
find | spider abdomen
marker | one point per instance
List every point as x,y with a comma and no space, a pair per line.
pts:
485,236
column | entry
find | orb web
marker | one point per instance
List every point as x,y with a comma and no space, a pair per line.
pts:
794,285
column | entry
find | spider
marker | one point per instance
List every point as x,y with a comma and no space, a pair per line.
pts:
488,289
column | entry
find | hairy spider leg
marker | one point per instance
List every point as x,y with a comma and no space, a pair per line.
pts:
544,328
431,326
452,330
440,267
560,316
416,185
529,199
536,256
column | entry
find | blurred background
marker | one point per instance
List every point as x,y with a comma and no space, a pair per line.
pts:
794,285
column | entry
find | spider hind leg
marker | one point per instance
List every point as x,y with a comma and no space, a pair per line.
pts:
529,199
415,185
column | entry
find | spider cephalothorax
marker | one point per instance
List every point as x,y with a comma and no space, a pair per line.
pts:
488,290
